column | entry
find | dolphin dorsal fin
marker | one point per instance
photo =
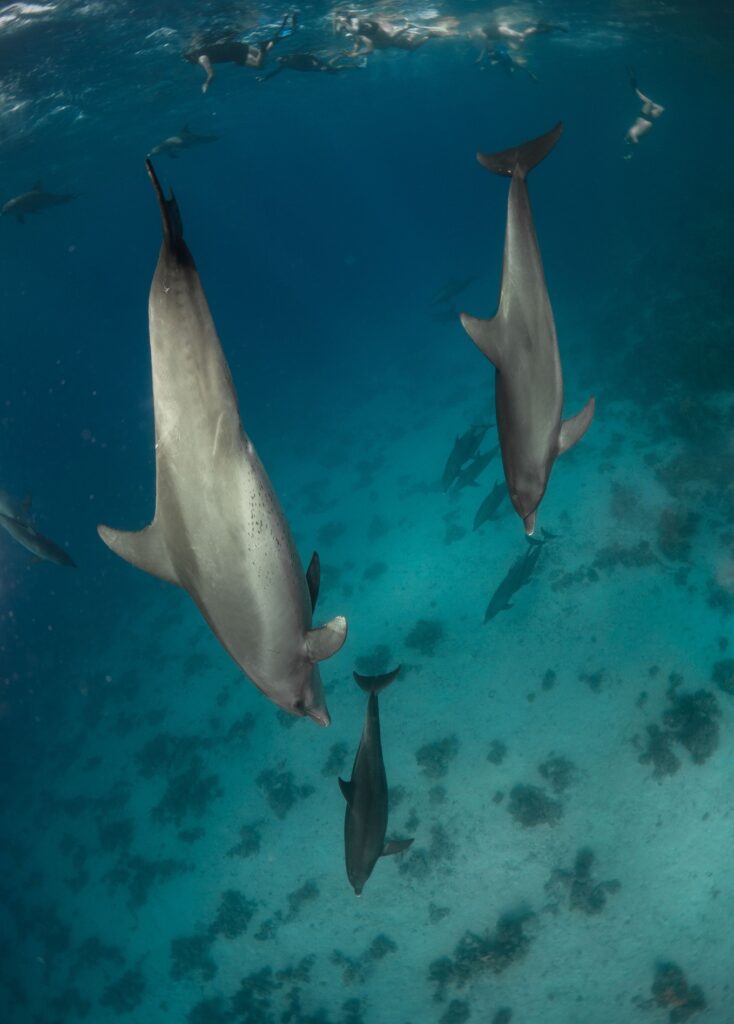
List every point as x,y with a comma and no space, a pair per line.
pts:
487,335
347,789
313,579
395,846
574,429
144,549
321,643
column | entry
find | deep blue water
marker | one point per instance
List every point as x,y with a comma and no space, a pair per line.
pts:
323,221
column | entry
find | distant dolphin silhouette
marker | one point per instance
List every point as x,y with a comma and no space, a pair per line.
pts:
517,576
218,529
186,139
491,504
365,820
520,340
465,446
33,202
15,518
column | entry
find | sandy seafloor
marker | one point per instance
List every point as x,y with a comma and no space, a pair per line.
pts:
134,798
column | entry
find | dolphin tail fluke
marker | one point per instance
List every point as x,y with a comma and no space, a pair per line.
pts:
375,684
574,429
487,335
170,218
521,158
144,549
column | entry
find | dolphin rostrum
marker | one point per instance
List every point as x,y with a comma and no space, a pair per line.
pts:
365,821
15,518
218,529
186,139
33,202
520,340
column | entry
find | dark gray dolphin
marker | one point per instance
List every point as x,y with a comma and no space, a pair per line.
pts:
218,529
520,341
465,445
186,139
365,821
490,506
33,202
453,287
469,474
15,518
518,575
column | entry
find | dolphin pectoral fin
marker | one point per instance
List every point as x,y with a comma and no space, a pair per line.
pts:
574,429
144,549
313,579
347,789
395,846
487,335
321,643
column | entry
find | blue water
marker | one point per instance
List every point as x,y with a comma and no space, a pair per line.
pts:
324,219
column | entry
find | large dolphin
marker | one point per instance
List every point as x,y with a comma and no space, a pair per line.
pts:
218,529
365,820
33,202
520,340
16,519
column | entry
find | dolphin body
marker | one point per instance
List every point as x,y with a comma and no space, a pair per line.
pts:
520,341
491,505
517,576
15,518
465,446
467,477
218,529
365,821
35,201
175,144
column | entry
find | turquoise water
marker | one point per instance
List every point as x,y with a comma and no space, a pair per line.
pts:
172,844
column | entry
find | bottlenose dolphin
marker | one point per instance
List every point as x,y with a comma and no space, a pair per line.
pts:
464,447
218,529
518,575
186,139
490,506
33,202
15,518
520,340
365,820
468,475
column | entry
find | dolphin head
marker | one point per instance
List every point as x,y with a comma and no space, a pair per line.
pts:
526,492
310,700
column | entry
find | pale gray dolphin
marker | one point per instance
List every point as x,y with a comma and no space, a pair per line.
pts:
186,139
365,820
33,202
218,529
15,518
520,341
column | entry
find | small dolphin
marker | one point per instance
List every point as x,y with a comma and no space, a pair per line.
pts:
365,821
186,139
453,287
33,202
520,341
218,529
468,475
491,504
518,575
15,518
464,447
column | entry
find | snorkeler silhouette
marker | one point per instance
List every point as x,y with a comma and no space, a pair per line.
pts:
306,62
501,43
228,49
650,112
380,33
